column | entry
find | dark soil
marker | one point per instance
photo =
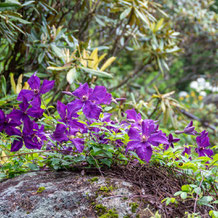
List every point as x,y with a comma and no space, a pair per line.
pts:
157,183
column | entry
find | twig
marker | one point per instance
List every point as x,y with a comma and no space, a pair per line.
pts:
17,155
132,75
155,109
196,199
192,116
98,166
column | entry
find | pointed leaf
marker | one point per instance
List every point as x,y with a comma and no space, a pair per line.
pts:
108,63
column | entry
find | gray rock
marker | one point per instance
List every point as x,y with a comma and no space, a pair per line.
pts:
65,194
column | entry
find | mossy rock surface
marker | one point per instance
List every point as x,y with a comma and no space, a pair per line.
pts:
66,194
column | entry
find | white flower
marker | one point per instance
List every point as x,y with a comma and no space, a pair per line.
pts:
194,84
203,93
183,94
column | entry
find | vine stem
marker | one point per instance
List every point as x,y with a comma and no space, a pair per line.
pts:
196,199
98,166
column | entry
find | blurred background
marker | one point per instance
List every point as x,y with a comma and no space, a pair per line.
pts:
161,56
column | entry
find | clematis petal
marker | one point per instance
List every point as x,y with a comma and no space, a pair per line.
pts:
16,115
170,138
91,110
158,138
28,94
148,127
144,153
13,131
73,107
28,127
30,144
100,95
34,82
46,86
83,90
132,145
61,108
134,134
36,102
132,115
208,152
2,116
16,145
107,99
79,144
203,140
2,120
75,124
187,150
35,112
106,118
24,105
59,133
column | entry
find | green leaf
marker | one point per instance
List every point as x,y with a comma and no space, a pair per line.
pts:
27,3
8,5
108,162
142,16
197,190
3,85
96,72
213,213
71,75
40,57
125,13
177,193
168,201
205,199
186,188
183,195
58,68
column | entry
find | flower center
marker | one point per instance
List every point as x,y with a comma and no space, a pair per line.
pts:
36,91
71,137
140,122
144,138
85,98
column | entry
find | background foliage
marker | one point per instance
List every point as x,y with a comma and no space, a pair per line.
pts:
158,57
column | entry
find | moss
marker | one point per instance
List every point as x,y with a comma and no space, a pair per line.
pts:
134,206
106,189
40,189
103,212
94,179
100,209
112,213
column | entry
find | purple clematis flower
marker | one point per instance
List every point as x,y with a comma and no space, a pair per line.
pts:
171,140
132,116
24,113
29,136
62,134
187,150
203,142
189,129
37,90
89,99
7,123
142,141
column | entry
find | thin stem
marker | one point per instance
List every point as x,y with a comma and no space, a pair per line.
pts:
131,76
196,199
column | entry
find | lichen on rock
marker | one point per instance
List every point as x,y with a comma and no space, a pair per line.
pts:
65,194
